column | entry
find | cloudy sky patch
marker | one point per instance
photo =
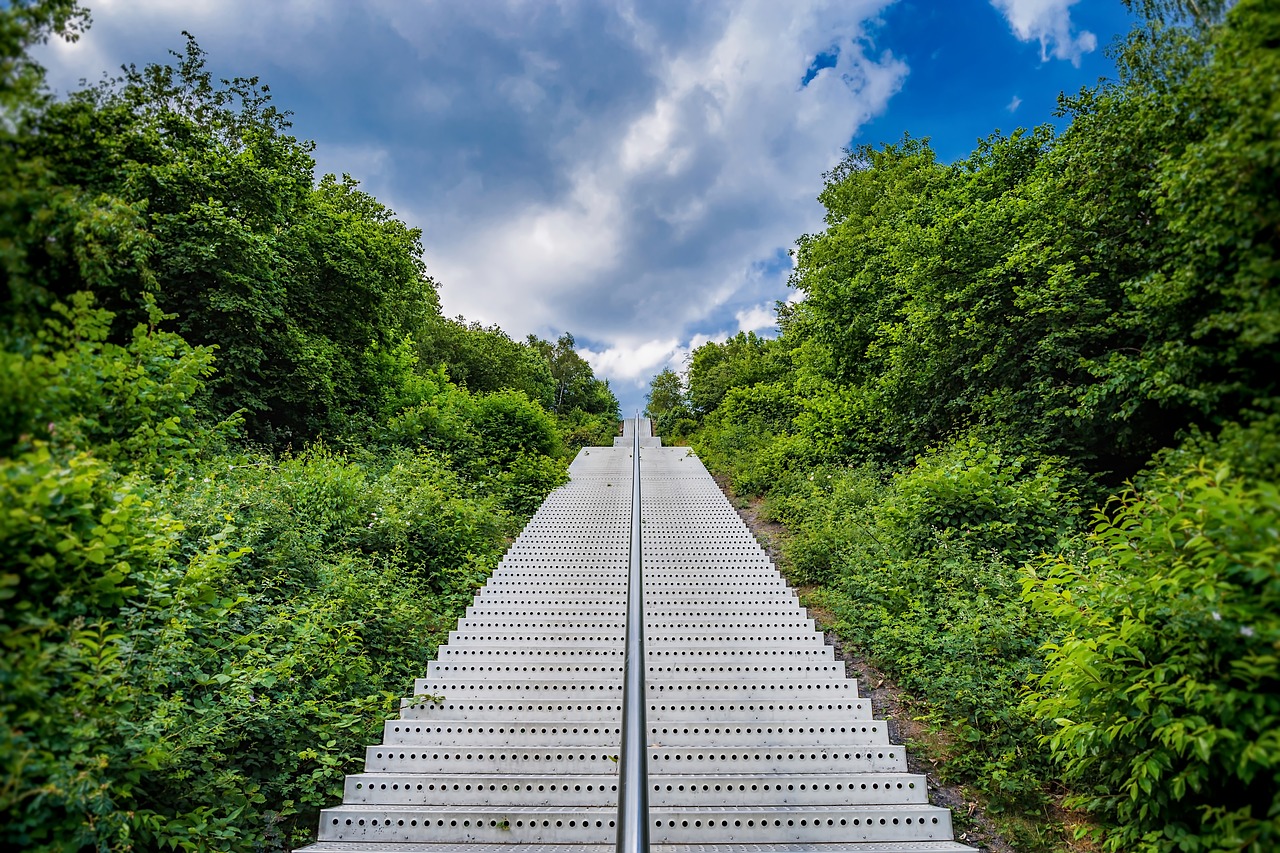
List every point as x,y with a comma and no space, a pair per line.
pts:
631,172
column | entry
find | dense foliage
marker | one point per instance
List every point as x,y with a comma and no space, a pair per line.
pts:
165,182
249,476
1162,681
985,351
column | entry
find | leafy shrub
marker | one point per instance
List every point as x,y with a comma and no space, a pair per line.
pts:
1164,692
100,574
582,429
949,627
131,403
823,509
1008,502
525,482
223,631
221,662
922,571
509,424
751,419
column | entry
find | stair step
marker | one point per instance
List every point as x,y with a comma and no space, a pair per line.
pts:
824,847
596,824
390,758
686,789
606,653
567,733
723,710
763,689
655,672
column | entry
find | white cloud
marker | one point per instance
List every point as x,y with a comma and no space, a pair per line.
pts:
142,31
1014,103
760,317
662,214
1048,22
363,162
635,363
631,365
700,339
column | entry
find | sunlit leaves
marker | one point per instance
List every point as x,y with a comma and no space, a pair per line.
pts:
1162,690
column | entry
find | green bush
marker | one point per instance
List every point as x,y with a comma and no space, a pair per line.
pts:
131,403
582,429
748,421
220,663
1164,690
525,482
509,424
823,509
1007,502
921,570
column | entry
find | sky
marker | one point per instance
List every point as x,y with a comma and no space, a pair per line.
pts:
631,171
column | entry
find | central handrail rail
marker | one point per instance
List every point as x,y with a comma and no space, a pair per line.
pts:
633,767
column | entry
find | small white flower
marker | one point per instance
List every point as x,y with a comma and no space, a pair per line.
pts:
1217,617
1246,630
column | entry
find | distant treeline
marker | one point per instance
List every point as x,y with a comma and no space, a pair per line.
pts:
249,475
1023,427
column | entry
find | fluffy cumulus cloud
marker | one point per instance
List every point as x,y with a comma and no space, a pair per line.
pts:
630,172
757,318
1048,22
633,361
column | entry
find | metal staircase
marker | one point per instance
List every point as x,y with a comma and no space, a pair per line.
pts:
756,739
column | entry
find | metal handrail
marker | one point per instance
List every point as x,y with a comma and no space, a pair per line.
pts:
633,767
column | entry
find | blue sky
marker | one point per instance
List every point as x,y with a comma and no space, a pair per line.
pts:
631,171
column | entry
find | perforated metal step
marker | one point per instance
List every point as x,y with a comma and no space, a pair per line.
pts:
758,742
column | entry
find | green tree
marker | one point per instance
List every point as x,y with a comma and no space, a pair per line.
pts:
24,24
485,358
666,394
168,183
576,386
740,361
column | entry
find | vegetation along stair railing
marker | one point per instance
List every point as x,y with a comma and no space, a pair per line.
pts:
753,732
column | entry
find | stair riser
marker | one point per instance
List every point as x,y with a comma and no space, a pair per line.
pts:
383,759
693,790
711,711
397,733
601,655
579,826
654,674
